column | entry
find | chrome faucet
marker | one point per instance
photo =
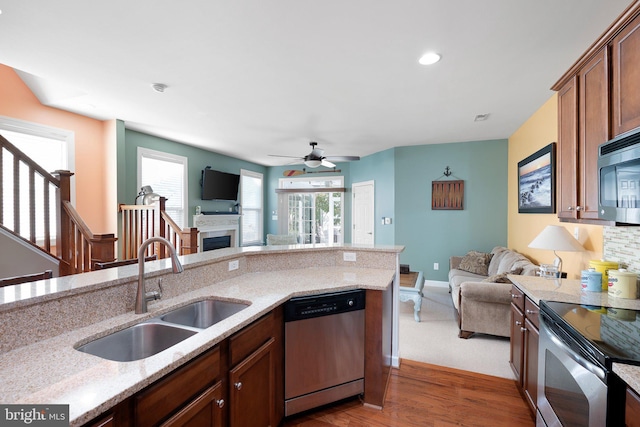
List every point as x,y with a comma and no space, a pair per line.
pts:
141,296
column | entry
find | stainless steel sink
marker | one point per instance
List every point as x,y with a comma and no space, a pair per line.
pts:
203,314
137,342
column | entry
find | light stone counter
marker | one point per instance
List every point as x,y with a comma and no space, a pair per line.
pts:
47,369
564,290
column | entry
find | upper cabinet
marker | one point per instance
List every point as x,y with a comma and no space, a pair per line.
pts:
598,98
626,78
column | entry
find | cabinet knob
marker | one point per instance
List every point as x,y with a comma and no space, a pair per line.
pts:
220,403
518,323
523,329
578,208
238,385
531,312
570,208
515,296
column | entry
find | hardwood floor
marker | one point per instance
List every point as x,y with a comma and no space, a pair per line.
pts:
424,395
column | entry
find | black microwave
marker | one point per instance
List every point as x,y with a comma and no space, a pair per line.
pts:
619,178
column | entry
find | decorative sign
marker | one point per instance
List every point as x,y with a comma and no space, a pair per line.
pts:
447,195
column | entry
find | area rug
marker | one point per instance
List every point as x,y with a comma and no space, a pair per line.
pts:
435,338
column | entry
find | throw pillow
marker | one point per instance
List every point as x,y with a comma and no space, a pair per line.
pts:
502,277
476,262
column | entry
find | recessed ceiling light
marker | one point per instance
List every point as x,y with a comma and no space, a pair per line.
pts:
481,117
159,87
429,58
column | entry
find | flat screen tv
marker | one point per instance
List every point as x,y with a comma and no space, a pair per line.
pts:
218,185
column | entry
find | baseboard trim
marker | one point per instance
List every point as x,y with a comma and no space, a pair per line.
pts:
436,283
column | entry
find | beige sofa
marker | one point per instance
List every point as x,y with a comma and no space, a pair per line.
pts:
481,292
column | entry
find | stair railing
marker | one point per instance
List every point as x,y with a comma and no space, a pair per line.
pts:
73,243
140,222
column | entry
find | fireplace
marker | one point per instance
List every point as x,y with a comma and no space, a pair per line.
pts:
212,243
217,231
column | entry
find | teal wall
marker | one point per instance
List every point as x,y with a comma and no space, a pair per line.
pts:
198,159
433,235
402,178
379,168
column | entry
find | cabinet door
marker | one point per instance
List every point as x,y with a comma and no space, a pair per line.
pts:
530,369
252,388
594,130
632,409
516,356
568,149
626,78
203,411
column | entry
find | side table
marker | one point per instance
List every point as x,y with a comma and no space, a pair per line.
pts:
411,285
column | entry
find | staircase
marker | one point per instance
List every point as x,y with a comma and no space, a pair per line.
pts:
42,217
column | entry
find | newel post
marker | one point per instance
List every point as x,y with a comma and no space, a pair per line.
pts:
64,235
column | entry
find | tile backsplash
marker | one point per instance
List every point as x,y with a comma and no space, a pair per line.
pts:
622,244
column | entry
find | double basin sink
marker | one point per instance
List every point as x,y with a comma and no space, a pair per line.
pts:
159,333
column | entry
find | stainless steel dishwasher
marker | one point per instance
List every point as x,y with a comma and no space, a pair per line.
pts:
324,349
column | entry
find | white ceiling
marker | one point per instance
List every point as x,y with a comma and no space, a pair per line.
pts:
249,78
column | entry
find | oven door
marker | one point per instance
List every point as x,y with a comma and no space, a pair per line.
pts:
571,389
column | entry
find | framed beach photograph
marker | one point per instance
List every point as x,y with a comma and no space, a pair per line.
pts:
537,181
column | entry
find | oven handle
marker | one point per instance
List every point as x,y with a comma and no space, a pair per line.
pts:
582,361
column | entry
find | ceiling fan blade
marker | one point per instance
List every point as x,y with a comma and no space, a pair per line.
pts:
342,158
327,164
316,153
289,157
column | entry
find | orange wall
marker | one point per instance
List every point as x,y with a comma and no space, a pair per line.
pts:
91,147
538,131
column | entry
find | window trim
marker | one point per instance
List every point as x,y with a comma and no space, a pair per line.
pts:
167,157
260,176
67,137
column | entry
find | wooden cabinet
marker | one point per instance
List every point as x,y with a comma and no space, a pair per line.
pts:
583,124
205,410
256,377
632,409
625,49
180,392
524,345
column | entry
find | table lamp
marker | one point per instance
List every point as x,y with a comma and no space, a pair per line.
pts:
556,238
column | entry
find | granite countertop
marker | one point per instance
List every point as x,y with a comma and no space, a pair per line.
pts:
52,371
570,290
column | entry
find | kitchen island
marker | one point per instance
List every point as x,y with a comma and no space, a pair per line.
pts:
43,322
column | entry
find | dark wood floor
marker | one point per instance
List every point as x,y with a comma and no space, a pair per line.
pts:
424,395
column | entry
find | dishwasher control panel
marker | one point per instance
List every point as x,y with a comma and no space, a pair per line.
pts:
308,307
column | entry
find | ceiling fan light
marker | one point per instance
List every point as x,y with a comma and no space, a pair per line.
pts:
429,58
312,163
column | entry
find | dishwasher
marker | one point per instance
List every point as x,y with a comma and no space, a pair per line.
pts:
324,349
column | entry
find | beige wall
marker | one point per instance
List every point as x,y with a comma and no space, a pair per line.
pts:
538,131
91,145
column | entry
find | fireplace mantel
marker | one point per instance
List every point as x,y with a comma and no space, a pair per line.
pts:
216,226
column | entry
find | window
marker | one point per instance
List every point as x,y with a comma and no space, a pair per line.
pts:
313,211
251,200
166,174
52,149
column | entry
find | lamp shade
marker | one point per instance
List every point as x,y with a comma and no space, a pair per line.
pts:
556,238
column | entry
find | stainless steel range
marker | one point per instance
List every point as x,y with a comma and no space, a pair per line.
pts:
578,346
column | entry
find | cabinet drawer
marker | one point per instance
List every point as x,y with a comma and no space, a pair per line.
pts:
251,338
169,394
517,297
531,312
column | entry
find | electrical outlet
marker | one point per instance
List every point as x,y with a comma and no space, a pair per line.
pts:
234,265
436,266
349,256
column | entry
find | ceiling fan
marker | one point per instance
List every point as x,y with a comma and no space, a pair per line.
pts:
316,158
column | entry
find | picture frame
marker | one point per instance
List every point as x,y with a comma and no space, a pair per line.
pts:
537,181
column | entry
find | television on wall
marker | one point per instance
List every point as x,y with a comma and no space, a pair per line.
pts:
218,185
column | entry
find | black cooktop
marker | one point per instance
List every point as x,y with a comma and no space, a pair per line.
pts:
614,333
